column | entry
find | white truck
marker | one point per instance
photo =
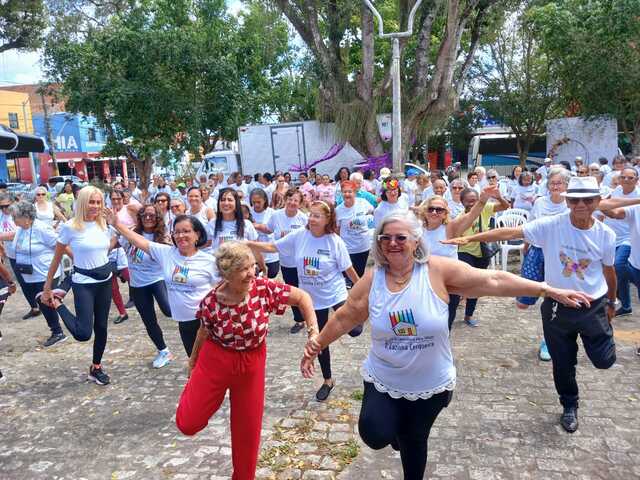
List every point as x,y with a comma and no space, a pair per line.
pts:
295,146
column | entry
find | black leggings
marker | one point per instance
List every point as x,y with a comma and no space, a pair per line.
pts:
31,301
290,277
188,332
51,316
272,269
454,300
325,356
403,423
143,300
92,302
359,262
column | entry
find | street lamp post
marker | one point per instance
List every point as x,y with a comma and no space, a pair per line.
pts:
395,79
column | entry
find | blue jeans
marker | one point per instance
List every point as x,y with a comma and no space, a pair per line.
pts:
622,272
634,276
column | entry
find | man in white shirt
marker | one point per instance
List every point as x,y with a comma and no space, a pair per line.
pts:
627,189
618,165
579,253
543,171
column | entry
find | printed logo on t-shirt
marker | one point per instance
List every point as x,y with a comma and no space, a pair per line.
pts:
135,254
403,323
311,266
571,266
180,274
229,237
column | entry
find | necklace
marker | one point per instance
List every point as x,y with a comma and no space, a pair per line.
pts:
403,279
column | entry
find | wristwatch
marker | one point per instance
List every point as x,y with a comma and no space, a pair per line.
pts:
613,303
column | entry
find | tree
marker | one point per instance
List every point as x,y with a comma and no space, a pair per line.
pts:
163,75
594,47
22,23
354,69
514,82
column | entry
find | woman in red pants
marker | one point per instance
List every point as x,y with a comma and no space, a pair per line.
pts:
230,352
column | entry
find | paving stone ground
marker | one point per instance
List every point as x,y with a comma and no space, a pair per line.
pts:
501,424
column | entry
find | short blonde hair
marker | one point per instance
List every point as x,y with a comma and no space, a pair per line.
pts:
422,209
415,230
84,195
231,257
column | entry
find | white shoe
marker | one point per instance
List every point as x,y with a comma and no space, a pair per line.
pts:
162,359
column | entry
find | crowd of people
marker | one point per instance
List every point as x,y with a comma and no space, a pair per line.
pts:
219,255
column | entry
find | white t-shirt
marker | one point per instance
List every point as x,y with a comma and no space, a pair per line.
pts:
433,237
119,257
229,233
7,225
523,197
143,269
320,262
356,225
544,207
609,176
632,217
281,225
455,208
188,279
35,246
90,247
409,187
573,258
384,208
263,219
621,227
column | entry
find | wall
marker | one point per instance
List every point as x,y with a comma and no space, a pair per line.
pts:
589,139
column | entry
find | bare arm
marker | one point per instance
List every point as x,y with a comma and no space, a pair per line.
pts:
134,239
615,213
201,336
301,299
495,235
611,203
53,268
264,247
462,222
353,276
262,228
7,236
462,279
57,214
609,273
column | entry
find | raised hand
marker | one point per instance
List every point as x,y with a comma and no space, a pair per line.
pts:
109,216
490,191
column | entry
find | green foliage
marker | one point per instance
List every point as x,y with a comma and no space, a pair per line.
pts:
22,23
594,46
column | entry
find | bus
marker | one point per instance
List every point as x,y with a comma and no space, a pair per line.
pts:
500,151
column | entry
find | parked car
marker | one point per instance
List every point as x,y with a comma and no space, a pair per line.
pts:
61,179
18,188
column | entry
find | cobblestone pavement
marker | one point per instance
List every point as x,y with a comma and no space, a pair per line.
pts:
502,423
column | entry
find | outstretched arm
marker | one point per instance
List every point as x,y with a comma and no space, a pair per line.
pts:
264,247
462,222
495,235
613,203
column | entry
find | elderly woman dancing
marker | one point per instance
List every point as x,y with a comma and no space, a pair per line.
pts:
409,375
230,352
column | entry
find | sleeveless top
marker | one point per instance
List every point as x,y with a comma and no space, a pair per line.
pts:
410,355
201,215
45,215
432,239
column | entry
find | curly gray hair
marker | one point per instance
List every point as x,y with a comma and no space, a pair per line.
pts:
23,209
415,230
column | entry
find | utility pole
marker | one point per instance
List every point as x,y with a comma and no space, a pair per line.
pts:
32,164
398,154
47,128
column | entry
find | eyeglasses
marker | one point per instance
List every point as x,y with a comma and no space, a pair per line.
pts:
149,216
399,239
182,233
576,201
457,188
44,194
437,210
492,177
624,177
161,200
556,184
173,207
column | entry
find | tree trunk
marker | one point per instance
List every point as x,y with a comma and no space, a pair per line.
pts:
523,144
635,139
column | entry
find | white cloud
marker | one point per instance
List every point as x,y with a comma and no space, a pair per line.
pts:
20,67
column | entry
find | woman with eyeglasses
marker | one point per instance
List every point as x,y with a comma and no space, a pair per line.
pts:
146,278
47,211
34,245
176,207
7,234
280,224
321,258
392,200
188,272
261,214
197,209
525,193
453,199
409,374
90,239
354,222
162,202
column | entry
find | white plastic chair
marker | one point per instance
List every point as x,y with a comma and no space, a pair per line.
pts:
514,211
510,220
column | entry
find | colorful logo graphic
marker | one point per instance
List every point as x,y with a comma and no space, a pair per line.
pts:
311,266
403,323
571,266
135,254
227,238
180,274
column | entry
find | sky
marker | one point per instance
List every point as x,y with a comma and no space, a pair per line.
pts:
24,67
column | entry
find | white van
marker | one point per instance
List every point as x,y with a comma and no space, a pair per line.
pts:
225,161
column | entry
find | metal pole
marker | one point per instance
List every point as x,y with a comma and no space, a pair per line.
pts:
397,107
32,164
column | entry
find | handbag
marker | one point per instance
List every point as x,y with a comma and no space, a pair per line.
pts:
26,268
488,249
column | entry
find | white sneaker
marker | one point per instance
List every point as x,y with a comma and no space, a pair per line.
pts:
162,359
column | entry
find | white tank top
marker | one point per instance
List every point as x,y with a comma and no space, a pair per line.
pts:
201,215
45,215
410,355
432,239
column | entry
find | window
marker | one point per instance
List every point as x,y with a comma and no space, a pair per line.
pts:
91,134
13,120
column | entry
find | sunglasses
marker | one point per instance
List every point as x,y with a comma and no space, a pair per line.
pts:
399,239
161,200
146,216
586,201
457,188
437,210
44,194
173,207
492,177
